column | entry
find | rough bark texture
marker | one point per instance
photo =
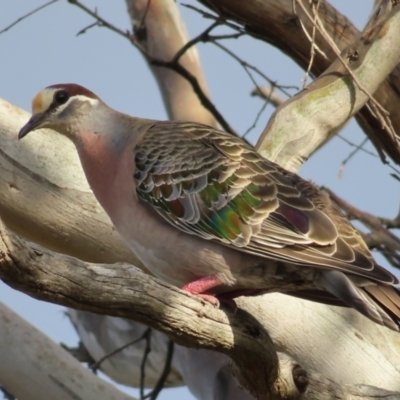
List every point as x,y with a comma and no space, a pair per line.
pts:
339,343
124,291
188,320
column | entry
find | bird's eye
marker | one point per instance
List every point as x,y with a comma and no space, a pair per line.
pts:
61,97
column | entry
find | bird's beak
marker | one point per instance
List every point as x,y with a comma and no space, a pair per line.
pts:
34,123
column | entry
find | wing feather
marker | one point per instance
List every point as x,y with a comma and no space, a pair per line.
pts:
210,184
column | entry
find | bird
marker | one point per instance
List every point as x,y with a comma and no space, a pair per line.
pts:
204,211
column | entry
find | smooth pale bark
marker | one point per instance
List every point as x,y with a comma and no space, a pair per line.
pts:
53,205
125,291
48,202
342,364
102,334
276,23
323,107
161,19
310,332
33,367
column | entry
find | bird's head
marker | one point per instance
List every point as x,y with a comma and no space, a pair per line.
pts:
59,107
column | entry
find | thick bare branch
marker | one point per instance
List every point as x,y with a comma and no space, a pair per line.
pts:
302,124
162,34
125,291
34,367
384,374
278,24
52,204
122,290
305,328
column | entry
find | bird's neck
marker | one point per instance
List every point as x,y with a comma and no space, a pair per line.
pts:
108,164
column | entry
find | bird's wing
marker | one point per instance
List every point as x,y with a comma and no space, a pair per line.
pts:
211,184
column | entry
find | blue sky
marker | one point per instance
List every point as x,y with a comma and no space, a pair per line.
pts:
44,50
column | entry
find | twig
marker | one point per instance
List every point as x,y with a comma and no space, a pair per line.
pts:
103,22
384,117
141,26
262,109
27,15
205,37
393,258
207,15
96,365
84,30
314,8
311,39
202,37
80,352
175,66
205,101
247,66
241,32
379,237
227,36
350,156
391,223
164,375
350,143
387,163
147,349
267,93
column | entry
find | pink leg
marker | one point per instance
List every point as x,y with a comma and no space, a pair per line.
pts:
201,285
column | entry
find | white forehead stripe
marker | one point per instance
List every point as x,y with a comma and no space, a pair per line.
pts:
80,97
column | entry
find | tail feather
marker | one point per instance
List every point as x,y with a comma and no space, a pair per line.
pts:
378,302
387,297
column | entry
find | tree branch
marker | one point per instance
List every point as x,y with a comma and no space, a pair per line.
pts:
34,367
303,123
125,291
278,24
347,364
18,20
379,237
118,344
66,216
179,73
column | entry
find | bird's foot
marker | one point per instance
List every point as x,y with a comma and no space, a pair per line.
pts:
209,298
201,285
